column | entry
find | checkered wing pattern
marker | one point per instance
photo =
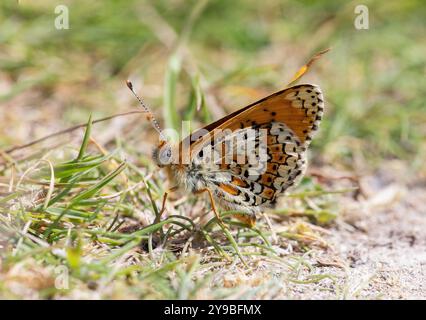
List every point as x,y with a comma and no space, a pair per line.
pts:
268,139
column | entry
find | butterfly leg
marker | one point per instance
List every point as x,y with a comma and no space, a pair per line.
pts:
166,194
212,203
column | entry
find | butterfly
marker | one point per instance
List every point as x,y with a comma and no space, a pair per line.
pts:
248,159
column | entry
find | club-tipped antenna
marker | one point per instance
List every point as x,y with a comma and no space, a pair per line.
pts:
150,114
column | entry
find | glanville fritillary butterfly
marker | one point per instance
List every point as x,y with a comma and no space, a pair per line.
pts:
247,159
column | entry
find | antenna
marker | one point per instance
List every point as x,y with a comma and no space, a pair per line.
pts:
150,114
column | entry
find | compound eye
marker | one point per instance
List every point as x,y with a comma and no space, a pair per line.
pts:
166,156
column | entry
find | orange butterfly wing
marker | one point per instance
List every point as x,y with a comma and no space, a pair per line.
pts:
300,107
291,117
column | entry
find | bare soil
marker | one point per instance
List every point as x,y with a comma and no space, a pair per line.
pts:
378,241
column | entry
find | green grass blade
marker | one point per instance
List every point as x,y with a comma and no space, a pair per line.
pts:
97,187
170,81
85,139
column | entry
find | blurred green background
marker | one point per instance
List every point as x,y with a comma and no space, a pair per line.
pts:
219,55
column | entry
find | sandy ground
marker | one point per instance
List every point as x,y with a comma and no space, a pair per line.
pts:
379,242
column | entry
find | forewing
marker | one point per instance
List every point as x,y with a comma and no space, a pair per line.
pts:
299,107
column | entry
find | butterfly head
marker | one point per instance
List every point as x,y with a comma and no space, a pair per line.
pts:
163,154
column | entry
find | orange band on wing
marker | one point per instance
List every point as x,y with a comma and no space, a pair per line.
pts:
229,189
238,182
